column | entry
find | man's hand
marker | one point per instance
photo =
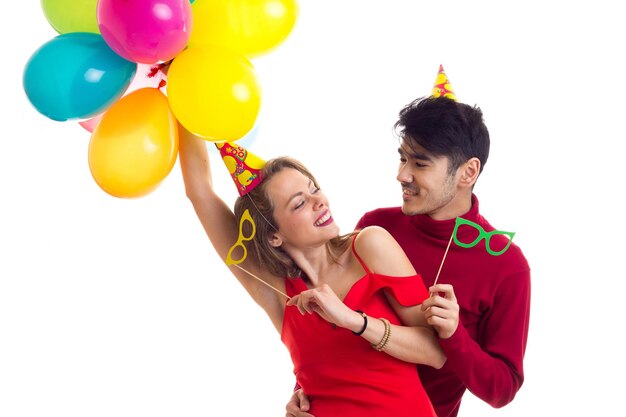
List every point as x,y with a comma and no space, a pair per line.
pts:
442,312
298,405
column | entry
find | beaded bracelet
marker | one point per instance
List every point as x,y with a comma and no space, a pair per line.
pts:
383,342
360,332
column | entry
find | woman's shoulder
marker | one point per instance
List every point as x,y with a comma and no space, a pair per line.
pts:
381,252
372,233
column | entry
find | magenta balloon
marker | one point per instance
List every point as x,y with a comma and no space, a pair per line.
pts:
145,31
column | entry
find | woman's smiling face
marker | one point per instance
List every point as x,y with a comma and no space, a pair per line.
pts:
300,209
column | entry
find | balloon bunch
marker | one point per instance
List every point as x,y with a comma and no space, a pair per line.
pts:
130,71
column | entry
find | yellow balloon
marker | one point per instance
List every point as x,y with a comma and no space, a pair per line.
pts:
135,145
214,93
250,27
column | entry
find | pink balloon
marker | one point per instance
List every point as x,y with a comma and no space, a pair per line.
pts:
90,124
150,76
145,31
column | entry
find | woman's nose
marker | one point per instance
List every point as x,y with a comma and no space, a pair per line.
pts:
318,201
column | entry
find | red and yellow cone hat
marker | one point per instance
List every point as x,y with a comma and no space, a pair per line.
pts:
442,86
244,166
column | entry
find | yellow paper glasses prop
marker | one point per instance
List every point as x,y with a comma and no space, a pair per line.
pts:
245,217
482,234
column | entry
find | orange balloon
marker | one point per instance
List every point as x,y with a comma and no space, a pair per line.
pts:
135,145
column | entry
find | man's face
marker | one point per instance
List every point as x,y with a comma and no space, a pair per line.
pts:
427,187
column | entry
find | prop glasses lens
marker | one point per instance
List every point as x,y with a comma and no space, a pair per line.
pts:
481,235
245,217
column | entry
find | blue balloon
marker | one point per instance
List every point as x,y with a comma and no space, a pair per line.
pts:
76,76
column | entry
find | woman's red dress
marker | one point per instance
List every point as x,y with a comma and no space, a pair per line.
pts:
342,374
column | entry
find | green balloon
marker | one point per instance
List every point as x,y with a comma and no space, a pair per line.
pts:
67,16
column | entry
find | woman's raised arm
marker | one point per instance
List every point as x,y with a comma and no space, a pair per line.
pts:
216,217
218,220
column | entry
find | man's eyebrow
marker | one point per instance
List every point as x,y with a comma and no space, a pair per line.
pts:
414,155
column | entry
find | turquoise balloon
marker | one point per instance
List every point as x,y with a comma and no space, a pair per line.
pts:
76,76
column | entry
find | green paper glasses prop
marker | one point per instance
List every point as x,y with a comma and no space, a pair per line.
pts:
482,234
245,217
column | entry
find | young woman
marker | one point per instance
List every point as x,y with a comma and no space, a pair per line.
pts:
353,323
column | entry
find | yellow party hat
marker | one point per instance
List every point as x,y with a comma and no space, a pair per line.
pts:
442,86
244,166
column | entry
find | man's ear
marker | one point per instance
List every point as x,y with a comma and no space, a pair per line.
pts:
468,172
276,241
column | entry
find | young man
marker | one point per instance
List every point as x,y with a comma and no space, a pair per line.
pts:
481,304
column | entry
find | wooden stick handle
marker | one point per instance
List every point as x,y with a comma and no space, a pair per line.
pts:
444,258
254,276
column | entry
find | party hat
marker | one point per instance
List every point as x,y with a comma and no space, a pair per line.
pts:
244,166
442,86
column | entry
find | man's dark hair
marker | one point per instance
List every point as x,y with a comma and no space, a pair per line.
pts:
445,127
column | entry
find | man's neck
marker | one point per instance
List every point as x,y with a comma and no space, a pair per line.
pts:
460,205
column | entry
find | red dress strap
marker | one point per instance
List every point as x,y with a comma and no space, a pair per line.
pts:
367,271
408,291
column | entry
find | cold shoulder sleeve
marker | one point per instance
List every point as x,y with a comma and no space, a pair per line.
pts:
408,291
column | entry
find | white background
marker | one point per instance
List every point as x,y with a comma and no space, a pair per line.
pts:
112,307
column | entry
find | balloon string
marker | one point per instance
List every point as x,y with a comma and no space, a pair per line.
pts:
254,276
